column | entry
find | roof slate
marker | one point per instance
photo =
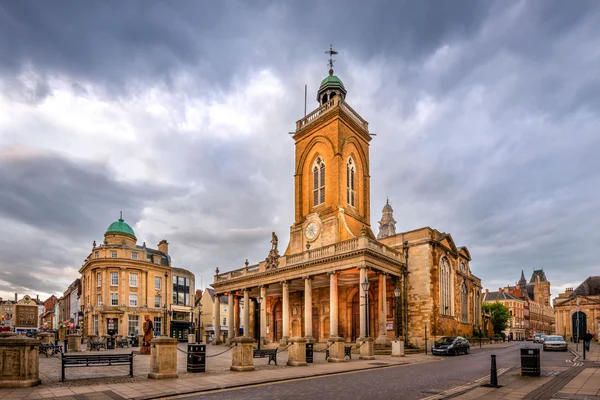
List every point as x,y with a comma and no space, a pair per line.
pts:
589,287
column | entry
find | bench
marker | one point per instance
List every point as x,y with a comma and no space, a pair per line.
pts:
347,352
122,343
95,360
49,349
97,345
272,354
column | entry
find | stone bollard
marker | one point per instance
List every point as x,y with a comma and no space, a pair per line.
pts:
19,362
336,349
45,337
205,338
366,349
241,355
191,338
163,358
397,348
297,352
74,340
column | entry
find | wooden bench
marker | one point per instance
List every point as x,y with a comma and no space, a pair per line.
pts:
97,345
122,343
95,360
49,349
347,352
272,354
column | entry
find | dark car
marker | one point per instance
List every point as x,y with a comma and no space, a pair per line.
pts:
451,345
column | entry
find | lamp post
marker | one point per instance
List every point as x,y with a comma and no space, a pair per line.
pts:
259,300
164,330
365,286
199,324
397,294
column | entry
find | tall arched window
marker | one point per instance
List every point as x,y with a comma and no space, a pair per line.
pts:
318,182
478,307
350,168
464,303
445,305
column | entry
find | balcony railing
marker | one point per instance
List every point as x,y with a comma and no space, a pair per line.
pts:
346,246
330,105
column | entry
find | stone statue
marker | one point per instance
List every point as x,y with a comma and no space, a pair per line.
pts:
274,241
148,330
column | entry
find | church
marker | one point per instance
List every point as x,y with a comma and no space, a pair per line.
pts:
336,279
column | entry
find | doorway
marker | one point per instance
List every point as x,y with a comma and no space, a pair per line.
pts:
315,323
278,322
579,324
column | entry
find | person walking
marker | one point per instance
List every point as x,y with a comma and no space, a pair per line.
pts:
587,338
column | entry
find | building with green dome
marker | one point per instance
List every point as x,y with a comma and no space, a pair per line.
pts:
122,282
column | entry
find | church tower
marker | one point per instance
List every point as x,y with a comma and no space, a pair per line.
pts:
387,225
332,181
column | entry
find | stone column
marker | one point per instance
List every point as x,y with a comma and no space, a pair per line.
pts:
163,358
333,304
382,337
286,312
236,316
217,324
241,354
74,342
263,314
230,319
19,361
308,308
297,352
246,313
362,306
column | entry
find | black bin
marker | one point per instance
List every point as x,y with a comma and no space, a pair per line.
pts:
196,358
530,362
134,341
309,352
110,343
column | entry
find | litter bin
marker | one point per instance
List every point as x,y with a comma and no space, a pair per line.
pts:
196,358
309,352
530,362
134,341
110,343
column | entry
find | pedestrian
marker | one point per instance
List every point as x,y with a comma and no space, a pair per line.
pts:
587,338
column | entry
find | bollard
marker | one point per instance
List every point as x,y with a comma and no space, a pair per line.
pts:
584,349
493,373
66,344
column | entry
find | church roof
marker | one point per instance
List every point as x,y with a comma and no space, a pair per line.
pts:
538,273
589,287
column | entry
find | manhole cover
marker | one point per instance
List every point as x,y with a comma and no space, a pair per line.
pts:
379,363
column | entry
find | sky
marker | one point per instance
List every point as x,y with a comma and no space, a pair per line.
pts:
178,114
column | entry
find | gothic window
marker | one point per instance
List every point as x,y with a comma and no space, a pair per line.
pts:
445,292
318,182
350,168
464,302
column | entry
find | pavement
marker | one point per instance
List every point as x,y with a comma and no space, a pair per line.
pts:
580,380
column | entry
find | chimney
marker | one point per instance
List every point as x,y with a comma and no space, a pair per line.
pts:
15,297
163,246
37,298
487,291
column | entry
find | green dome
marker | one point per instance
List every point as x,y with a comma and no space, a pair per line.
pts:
120,227
331,80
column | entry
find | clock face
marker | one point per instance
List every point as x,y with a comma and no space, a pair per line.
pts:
463,267
312,231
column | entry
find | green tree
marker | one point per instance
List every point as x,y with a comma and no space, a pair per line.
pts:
500,316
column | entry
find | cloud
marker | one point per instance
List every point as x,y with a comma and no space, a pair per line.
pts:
178,114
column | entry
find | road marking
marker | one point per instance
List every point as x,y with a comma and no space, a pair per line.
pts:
463,388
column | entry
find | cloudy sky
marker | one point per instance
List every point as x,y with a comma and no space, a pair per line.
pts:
178,113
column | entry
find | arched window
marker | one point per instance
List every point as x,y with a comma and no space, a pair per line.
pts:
464,302
478,307
350,168
445,306
318,182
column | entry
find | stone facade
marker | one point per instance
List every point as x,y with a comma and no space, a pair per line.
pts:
315,288
583,303
122,282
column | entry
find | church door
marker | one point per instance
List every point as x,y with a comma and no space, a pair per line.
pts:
356,316
579,324
315,323
278,322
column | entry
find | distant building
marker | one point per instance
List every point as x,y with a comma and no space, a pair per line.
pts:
207,318
579,310
516,308
26,315
7,311
47,315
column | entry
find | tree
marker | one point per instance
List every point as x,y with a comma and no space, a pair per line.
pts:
500,315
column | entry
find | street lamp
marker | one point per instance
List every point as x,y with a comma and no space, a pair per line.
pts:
405,280
397,294
365,286
259,300
164,330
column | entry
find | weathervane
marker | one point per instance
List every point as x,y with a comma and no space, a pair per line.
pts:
331,52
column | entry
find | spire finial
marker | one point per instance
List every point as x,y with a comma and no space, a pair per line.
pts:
121,217
331,52
387,199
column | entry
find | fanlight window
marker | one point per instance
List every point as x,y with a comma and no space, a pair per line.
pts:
464,303
318,182
350,168
445,305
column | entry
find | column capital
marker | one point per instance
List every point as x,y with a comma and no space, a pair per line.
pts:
284,283
329,273
308,278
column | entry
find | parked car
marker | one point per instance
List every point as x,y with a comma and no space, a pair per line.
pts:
538,338
555,342
451,345
529,339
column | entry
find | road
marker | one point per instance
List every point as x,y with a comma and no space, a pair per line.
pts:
398,382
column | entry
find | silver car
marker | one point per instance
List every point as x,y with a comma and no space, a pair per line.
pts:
555,342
